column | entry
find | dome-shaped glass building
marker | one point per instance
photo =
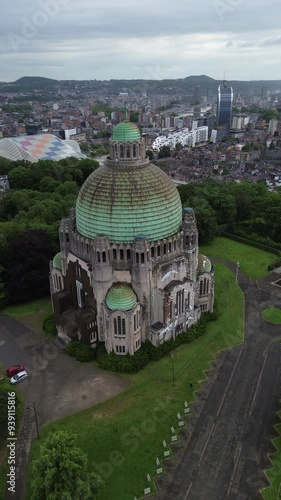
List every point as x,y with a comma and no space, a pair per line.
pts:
128,268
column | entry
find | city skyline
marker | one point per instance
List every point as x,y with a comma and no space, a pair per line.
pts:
63,40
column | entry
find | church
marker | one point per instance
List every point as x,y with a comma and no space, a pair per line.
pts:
129,268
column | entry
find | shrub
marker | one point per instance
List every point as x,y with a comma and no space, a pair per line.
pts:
148,352
49,325
80,351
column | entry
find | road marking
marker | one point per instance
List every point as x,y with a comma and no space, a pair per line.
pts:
230,380
237,455
188,491
259,381
214,424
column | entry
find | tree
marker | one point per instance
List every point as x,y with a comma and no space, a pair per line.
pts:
61,471
150,154
206,219
19,178
164,152
26,265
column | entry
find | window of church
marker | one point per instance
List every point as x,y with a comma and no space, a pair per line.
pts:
137,257
164,249
67,237
60,284
120,349
79,288
170,247
142,258
121,151
187,240
152,252
135,323
175,245
128,254
158,251
128,152
93,337
114,254
98,256
134,150
121,254
87,248
103,256
119,326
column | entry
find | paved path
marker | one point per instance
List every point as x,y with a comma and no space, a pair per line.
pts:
224,456
57,384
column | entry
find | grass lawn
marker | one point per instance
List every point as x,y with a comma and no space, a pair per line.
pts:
253,262
274,474
272,314
123,437
32,313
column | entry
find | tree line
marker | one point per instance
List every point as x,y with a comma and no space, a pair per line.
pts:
248,210
41,194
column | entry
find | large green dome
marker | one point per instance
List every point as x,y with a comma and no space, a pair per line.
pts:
126,132
121,297
124,202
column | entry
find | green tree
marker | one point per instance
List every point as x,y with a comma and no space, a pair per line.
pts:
19,178
61,471
150,154
206,219
164,152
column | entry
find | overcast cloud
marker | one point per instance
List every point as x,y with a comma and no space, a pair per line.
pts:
149,39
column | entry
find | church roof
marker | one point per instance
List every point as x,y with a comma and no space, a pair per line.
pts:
126,132
204,264
121,297
57,261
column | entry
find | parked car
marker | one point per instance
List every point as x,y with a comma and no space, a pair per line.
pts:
19,377
13,370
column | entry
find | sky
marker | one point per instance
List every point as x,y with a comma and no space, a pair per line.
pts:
148,39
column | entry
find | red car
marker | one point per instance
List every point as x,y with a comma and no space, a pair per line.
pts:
13,370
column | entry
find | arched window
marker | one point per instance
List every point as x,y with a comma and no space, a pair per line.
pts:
128,153
121,151
134,150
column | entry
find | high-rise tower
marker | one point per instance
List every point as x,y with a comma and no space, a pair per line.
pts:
224,104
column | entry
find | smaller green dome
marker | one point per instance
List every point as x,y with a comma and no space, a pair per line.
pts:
57,261
121,297
126,132
204,264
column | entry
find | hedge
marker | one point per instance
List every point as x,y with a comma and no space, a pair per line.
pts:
148,352
246,241
49,325
80,351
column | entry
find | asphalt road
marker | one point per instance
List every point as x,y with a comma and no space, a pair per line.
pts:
227,450
57,384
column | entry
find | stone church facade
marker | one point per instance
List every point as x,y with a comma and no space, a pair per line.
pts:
129,268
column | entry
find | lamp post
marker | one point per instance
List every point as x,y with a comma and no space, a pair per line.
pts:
237,271
33,409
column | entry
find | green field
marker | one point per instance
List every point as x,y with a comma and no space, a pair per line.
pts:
253,262
31,314
272,314
125,434
274,474
27,308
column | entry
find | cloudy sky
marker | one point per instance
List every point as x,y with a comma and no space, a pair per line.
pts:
150,39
